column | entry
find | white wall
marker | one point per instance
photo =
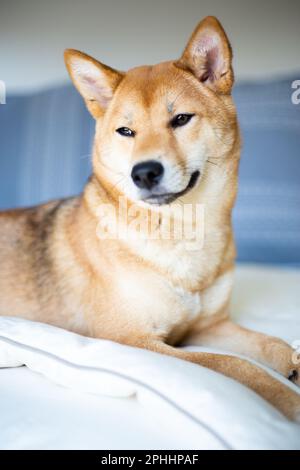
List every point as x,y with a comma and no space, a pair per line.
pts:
33,34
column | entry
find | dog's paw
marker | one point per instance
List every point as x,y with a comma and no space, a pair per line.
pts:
293,368
285,360
294,375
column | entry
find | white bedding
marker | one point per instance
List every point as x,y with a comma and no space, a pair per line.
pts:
63,398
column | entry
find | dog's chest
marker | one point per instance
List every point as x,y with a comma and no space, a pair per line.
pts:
155,305
190,301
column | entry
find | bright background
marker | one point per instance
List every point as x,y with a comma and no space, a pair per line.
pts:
33,34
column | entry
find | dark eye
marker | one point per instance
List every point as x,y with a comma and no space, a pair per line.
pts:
181,120
125,131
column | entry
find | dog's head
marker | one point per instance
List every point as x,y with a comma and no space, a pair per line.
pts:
160,127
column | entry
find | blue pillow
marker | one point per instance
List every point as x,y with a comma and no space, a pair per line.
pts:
45,147
45,153
267,214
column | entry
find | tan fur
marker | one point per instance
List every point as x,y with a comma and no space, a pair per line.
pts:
153,294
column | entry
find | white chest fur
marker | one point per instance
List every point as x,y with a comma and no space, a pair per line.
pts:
154,304
191,302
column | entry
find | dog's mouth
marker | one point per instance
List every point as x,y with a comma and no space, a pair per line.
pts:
167,198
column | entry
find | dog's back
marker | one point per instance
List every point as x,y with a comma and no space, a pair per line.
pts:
27,278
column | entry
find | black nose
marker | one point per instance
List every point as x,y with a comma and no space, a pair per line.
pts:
146,175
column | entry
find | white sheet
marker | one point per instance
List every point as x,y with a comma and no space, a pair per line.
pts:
172,404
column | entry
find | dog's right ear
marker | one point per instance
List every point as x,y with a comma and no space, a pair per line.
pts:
96,82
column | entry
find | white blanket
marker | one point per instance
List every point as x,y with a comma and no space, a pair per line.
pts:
184,405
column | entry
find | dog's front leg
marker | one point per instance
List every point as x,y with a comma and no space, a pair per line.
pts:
282,397
270,351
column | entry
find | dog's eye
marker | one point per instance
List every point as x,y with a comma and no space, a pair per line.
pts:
125,131
181,120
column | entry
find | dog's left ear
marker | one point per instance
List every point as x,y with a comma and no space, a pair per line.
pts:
208,56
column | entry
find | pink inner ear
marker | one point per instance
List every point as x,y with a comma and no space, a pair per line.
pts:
97,92
209,49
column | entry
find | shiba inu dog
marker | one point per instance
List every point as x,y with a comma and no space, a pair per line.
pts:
166,138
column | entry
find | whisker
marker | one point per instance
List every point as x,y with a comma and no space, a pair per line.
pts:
113,171
213,163
118,182
88,155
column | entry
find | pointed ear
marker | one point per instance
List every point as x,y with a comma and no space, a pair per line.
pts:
96,82
208,56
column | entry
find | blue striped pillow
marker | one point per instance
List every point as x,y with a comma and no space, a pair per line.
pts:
45,147
267,214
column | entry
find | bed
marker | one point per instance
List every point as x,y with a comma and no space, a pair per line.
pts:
81,393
